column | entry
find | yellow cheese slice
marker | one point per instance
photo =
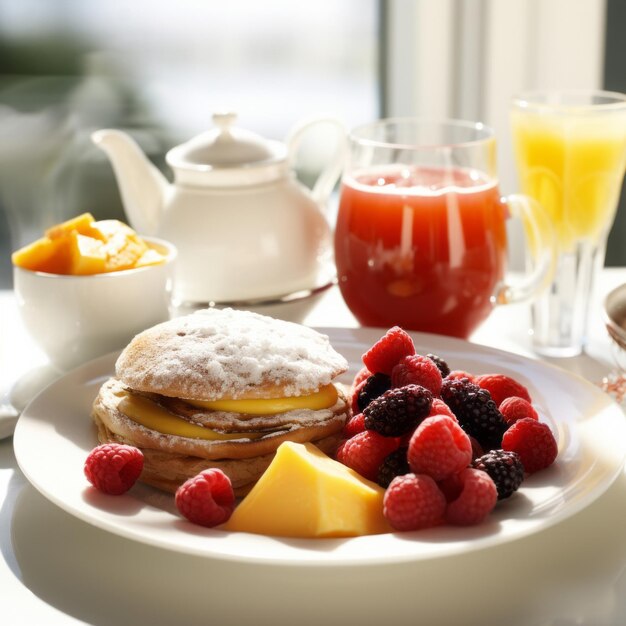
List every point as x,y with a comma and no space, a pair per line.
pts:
304,493
322,399
151,415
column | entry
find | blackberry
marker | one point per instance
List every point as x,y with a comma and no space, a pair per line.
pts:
394,464
375,385
440,363
505,468
398,411
475,411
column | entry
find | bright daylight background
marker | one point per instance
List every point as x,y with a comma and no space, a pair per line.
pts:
160,68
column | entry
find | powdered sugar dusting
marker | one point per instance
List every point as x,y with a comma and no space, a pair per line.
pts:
227,353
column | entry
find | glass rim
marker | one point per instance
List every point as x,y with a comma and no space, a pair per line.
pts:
489,133
539,100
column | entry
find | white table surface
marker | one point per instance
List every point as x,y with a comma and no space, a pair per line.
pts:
57,570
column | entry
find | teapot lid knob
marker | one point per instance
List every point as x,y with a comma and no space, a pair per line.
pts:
224,120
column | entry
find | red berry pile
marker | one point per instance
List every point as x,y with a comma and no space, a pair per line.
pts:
446,445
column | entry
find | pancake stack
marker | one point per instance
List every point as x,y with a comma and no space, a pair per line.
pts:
221,388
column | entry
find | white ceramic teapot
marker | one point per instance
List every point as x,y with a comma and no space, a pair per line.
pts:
245,228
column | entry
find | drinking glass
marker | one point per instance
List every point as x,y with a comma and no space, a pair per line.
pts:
421,229
570,149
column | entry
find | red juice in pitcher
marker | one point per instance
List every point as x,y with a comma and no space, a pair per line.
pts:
420,247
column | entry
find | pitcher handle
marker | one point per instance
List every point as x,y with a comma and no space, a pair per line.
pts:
541,244
327,178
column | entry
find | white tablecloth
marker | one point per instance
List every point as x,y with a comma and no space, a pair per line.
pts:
55,569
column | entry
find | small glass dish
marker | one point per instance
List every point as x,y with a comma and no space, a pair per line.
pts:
614,310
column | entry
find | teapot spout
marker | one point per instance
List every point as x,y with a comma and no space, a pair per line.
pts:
142,186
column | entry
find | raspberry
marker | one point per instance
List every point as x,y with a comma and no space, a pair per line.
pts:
440,363
501,387
206,499
477,499
413,502
394,464
515,408
439,407
361,375
388,350
354,426
417,370
398,411
533,441
459,375
505,468
365,452
113,468
439,448
373,387
475,410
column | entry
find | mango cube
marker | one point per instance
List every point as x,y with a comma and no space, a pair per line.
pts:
83,225
149,257
123,246
87,255
304,493
110,228
43,255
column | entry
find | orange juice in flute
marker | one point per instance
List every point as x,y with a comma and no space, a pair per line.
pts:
571,154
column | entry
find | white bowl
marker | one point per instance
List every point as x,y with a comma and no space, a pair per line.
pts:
77,318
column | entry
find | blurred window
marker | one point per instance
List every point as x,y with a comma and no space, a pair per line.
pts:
273,61
160,69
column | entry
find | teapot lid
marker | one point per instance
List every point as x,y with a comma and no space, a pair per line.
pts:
226,146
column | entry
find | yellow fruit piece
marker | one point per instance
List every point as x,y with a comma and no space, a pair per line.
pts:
123,246
109,228
322,399
304,493
123,258
151,415
82,224
43,255
87,255
150,257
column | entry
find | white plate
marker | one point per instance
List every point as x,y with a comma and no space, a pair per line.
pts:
55,433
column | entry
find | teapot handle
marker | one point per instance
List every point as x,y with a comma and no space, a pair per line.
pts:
325,182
